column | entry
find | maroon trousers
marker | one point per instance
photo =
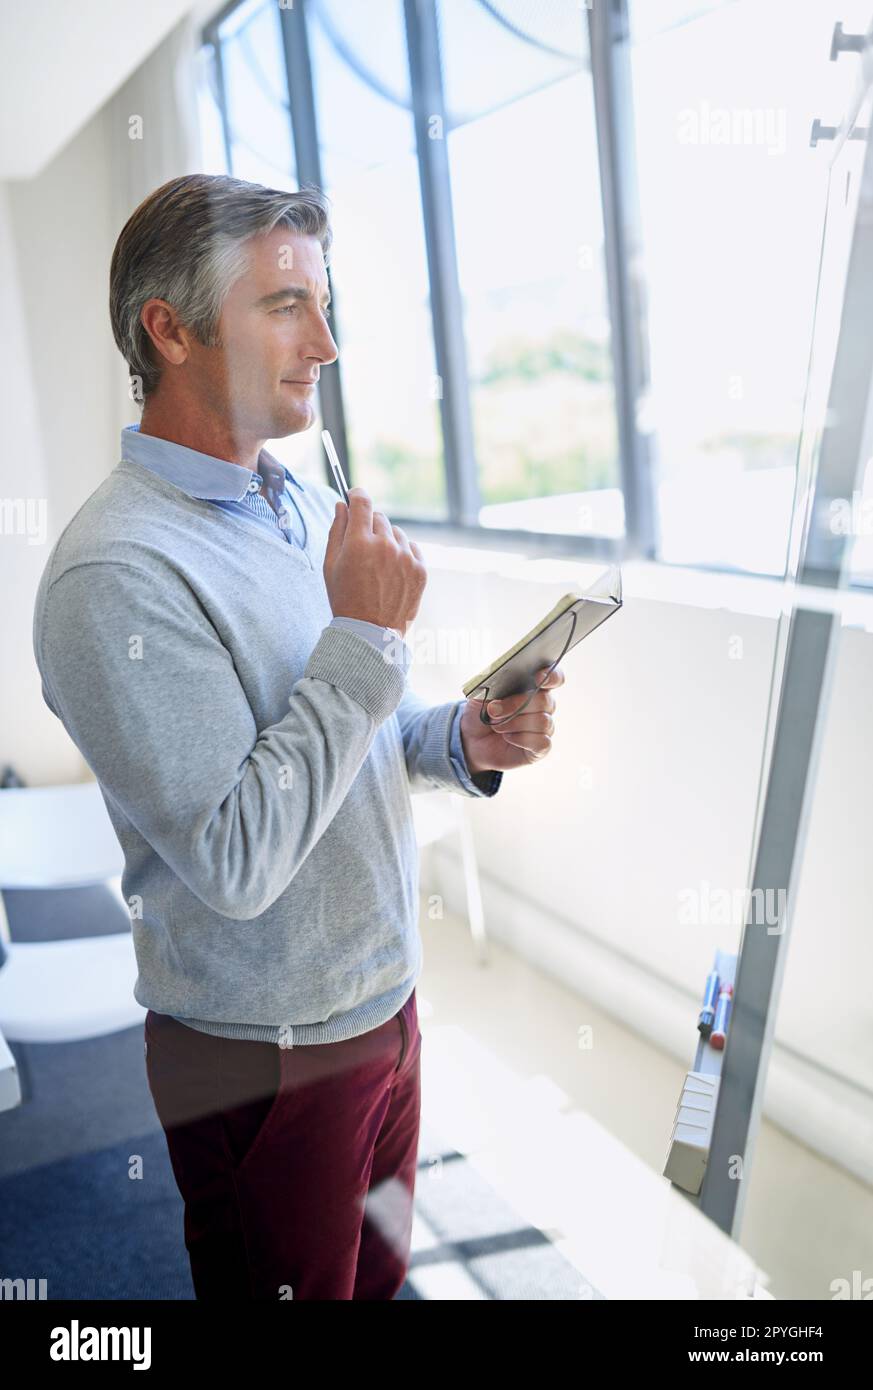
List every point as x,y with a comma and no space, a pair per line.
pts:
296,1165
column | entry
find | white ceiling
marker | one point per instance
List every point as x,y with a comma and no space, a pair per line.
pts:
59,63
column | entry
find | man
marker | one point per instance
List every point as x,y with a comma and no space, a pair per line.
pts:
225,646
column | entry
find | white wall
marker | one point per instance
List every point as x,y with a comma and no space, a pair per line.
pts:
65,386
650,789
60,63
58,434
34,744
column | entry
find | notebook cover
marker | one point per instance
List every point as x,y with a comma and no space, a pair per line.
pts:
573,617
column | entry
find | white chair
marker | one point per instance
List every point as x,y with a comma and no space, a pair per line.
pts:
436,815
56,837
66,990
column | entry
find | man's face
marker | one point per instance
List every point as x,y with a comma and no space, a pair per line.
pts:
274,339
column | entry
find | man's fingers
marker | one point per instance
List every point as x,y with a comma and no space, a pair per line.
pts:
536,745
360,510
541,701
528,723
336,533
556,677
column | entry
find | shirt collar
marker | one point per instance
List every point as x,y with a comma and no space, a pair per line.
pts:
200,475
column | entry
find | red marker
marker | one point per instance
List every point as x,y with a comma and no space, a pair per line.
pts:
718,1036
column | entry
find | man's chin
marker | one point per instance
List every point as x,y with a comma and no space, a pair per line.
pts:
291,421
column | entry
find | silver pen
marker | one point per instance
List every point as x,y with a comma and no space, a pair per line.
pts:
333,460
342,485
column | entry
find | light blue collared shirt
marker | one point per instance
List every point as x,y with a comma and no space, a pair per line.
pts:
237,489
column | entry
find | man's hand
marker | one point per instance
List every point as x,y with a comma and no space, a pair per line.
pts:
371,569
517,742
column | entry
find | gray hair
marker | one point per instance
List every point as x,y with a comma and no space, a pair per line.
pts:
184,244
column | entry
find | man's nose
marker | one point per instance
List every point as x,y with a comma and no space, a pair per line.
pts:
326,349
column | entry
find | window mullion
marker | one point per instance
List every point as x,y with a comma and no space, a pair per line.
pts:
431,135
214,41
608,29
304,133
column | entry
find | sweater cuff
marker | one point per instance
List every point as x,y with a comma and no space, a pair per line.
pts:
381,637
376,679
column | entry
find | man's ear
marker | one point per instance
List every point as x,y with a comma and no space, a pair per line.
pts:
167,333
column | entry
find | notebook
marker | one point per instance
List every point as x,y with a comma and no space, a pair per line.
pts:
573,617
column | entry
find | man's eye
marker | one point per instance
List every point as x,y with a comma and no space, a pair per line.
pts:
292,308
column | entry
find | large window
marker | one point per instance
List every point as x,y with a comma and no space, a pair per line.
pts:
519,282
600,257
255,96
379,266
529,232
732,199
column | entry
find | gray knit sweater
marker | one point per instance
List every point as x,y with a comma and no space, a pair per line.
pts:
255,757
